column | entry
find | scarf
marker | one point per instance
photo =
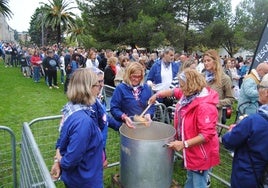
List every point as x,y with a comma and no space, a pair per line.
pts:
209,76
136,92
188,99
113,69
183,102
71,108
166,64
264,110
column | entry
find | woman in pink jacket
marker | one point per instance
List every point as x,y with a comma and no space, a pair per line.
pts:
195,120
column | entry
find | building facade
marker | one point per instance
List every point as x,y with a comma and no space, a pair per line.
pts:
6,32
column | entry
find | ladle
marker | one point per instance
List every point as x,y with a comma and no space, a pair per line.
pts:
145,110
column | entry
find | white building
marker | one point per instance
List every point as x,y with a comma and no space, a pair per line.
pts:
6,32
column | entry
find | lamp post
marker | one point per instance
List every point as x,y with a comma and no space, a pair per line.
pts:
42,23
42,40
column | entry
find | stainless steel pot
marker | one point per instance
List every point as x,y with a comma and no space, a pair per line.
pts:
145,162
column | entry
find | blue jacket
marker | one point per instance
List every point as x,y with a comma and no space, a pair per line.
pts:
81,150
100,117
155,72
248,136
248,96
123,101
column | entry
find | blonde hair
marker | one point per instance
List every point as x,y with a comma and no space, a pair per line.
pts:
192,81
112,61
80,87
217,69
132,68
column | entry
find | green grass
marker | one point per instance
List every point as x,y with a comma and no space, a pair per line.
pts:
22,100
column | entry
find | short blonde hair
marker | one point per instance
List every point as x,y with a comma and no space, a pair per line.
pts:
80,87
112,61
132,68
191,81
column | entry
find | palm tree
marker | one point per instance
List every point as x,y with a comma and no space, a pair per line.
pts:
4,9
75,32
58,15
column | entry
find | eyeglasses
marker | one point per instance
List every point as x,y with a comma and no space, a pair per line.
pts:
97,85
261,87
133,76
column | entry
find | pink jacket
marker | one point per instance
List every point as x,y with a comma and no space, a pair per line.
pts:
199,117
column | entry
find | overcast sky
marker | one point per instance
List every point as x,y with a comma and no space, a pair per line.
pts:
24,9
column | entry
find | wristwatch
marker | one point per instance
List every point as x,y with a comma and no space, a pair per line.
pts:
185,144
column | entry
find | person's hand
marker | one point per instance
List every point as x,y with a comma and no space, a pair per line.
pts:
129,123
55,171
152,99
176,145
148,117
150,83
231,127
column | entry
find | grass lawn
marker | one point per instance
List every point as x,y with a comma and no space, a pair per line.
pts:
23,100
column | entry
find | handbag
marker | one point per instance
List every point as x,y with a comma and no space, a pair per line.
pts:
226,113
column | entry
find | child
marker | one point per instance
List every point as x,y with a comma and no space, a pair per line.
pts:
25,66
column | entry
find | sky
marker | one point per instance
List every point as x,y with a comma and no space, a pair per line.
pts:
24,9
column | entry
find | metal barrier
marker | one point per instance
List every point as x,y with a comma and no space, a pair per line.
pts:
33,170
8,170
39,138
107,92
40,135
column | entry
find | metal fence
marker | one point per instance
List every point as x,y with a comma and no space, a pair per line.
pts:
38,150
33,170
8,169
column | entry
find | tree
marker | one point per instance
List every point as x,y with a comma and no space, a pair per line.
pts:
221,34
131,22
57,14
4,9
196,15
35,30
250,18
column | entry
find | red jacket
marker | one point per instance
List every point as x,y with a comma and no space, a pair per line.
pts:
35,60
199,117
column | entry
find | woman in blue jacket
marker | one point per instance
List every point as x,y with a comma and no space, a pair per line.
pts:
80,144
249,140
131,96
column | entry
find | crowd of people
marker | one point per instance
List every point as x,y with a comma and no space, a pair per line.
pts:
200,86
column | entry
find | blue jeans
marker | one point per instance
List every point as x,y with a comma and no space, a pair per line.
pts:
36,71
196,180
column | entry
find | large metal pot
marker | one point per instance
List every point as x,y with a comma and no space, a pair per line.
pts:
145,162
